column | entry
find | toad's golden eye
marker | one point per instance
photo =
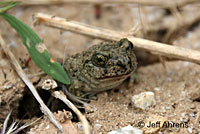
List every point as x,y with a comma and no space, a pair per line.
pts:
99,59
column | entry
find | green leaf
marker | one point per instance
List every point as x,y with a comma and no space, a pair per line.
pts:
6,5
37,50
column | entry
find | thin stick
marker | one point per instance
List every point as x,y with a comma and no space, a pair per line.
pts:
180,26
23,76
105,34
161,3
197,118
60,95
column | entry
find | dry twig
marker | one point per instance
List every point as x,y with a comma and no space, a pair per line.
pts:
105,34
180,26
23,76
14,128
60,95
160,3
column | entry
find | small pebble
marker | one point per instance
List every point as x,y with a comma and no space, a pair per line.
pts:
80,126
143,100
198,80
157,89
192,106
47,127
98,126
190,130
167,108
126,130
8,86
89,108
183,114
192,115
185,117
194,94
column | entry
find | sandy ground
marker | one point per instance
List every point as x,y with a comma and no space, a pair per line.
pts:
175,85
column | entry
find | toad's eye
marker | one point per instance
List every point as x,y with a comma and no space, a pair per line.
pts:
99,59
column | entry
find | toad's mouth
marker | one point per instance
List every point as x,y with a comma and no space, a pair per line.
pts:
123,76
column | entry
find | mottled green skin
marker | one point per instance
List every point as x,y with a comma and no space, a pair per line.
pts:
88,77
